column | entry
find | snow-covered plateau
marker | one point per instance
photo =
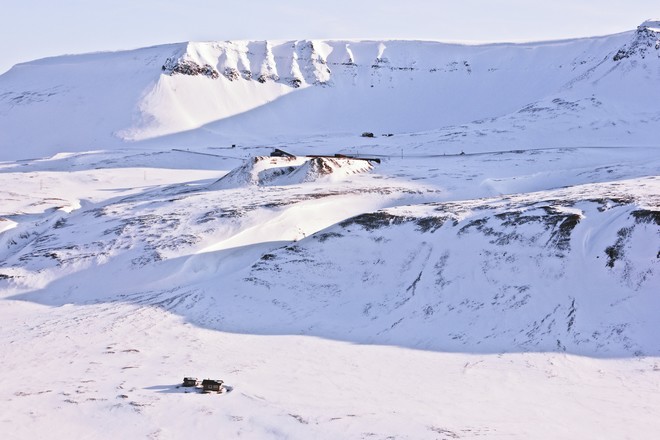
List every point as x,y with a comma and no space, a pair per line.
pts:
362,239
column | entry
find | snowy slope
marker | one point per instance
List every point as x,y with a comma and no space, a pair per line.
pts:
432,297
196,94
520,272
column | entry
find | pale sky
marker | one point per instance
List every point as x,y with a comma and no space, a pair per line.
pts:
38,28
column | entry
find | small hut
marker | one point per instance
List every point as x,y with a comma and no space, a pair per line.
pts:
190,381
281,153
212,385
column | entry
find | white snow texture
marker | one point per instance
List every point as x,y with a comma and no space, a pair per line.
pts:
449,242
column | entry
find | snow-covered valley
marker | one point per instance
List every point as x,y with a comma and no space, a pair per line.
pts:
494,274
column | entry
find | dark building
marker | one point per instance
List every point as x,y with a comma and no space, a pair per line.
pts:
212,385
190,381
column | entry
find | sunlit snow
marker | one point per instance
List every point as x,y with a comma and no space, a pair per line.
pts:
493,274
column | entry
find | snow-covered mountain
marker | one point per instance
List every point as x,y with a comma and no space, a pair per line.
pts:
483,262
202,94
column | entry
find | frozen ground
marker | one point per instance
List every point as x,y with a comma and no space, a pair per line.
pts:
125,271
507,292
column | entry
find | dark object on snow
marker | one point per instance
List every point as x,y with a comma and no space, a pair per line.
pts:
343,156
367,134
281,153
212,385
190,381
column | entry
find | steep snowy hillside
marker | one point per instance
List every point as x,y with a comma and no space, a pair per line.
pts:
573,269
202,94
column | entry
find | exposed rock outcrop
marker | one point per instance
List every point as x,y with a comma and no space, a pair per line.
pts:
186,67
645,43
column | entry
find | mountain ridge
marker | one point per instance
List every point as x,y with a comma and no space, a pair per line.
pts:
202,94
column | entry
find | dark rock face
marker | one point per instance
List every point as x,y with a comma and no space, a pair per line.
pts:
184,67
263,78
294,82
645,43
231,74
375,220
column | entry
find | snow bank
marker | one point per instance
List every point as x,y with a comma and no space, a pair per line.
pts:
651,24
6,224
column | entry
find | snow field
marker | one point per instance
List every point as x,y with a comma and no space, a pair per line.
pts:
97,346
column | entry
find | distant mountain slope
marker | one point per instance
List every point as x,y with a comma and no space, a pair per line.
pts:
206,93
